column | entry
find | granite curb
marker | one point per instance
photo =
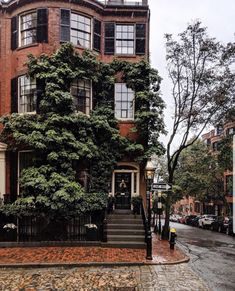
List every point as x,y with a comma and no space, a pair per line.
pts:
91,264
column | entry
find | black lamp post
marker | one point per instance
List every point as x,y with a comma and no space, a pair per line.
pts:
149,175
159,206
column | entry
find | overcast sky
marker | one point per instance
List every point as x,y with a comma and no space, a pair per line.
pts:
173,16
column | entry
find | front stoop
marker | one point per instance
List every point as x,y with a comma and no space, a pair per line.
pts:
125,230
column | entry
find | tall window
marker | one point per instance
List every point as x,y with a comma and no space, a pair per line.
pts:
81,91
27,95
28,28
124,101
124,39
80,30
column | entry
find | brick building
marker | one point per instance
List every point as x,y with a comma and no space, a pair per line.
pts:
188,205
109,28
213,139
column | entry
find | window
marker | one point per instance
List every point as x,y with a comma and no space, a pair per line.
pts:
124,39
76,28
81,92
97,35
80,30
231,131
124,101
29,28
27,94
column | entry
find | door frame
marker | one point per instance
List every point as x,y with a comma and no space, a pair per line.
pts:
133,171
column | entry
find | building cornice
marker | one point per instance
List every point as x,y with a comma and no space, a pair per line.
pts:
103,9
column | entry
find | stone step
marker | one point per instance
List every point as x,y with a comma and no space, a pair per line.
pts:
126,238
124,244
124,216
124,226
125,221
126,232
122,211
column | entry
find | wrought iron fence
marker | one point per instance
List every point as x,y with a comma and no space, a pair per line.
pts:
85,227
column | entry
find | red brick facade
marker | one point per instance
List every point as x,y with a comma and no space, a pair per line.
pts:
12,62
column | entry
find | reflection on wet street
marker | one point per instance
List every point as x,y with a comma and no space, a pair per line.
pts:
212,255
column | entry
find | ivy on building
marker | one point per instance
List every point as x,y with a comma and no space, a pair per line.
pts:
65,143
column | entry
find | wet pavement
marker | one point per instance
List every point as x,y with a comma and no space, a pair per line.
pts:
212,255
139,278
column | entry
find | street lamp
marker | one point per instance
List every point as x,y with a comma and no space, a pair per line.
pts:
149,175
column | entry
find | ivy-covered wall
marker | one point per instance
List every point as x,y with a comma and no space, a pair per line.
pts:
62,140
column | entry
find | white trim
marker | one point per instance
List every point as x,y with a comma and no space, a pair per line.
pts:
3,148
136,171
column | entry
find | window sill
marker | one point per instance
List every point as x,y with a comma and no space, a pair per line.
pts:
29,113
27,46
126,120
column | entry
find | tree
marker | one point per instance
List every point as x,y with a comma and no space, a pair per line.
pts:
65,142
202,89
198,173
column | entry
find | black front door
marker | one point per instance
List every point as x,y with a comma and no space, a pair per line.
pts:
122,190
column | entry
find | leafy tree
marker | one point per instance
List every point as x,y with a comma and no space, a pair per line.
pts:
198,173
202,89
64,142
225,155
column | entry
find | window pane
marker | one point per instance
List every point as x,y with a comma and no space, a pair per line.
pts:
27,94
81,91
124,98
80,30
28,26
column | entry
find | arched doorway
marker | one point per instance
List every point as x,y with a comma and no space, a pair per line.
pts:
125,184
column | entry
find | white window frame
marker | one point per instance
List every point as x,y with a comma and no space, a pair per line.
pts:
19,94
91,29
115,38
20,31
133,104
91,98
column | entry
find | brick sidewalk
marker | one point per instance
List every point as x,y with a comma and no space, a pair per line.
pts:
80,255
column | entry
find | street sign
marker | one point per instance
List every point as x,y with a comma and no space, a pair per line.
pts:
161,186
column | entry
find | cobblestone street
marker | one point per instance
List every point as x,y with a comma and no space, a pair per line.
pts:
147,278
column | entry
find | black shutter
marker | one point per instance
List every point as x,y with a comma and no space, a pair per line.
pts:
140,39
14,32
13,158
42,25
65,25
109,38
97,35
14,95
40,90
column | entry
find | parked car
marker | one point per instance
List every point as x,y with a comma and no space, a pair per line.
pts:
220,224
189,218
182,219
174,217
206,220
229,229
195,220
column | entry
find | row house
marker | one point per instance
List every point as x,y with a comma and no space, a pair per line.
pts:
111,29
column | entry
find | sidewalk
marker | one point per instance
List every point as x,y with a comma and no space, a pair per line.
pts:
82,256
